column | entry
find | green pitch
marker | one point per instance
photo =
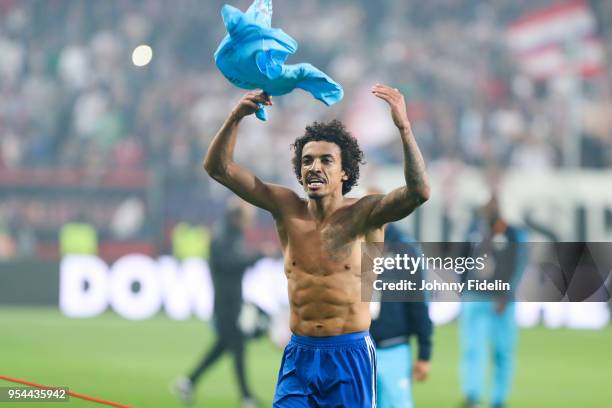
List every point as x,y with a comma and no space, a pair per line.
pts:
133,362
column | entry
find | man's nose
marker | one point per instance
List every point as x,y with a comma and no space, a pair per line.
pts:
315,166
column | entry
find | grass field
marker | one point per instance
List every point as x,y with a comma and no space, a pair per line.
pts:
133,362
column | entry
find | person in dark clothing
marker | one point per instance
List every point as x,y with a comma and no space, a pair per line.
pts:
228,262
393,324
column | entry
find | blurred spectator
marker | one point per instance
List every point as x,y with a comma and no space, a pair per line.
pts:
190,241
78,238
228,263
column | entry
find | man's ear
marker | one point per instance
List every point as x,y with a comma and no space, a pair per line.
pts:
344,176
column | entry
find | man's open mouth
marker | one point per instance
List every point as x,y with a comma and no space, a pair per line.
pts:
314,182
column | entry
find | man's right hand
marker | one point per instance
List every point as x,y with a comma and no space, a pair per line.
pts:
248,104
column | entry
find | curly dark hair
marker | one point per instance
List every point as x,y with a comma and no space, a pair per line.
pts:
333,132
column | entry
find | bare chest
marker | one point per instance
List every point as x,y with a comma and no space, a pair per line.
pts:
331,246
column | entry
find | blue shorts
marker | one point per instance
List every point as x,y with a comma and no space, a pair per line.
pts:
334,371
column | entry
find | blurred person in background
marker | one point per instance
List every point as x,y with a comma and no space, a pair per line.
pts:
487,323
228,262
393,325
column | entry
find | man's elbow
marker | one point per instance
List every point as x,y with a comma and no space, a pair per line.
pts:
423,193
208,167
215,171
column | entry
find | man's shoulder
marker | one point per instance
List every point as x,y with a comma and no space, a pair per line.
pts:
358,209
362,202
348,201
361,207
280,191
286,199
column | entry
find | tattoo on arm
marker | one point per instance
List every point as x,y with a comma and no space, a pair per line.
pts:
414,167
404,200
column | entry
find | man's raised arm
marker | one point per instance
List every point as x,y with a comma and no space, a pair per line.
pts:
401,201
219,161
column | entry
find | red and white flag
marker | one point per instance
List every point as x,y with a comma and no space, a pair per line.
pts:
556,40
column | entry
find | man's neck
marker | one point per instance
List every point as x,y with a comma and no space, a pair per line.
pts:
321,208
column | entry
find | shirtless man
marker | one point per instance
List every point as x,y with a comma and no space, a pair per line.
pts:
330,360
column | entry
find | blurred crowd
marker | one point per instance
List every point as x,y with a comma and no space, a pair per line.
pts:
70,95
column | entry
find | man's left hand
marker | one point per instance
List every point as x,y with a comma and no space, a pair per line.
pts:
396,102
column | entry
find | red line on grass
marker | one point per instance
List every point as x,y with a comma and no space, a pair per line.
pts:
73,394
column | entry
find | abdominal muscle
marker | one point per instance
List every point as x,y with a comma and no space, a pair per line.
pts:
326,304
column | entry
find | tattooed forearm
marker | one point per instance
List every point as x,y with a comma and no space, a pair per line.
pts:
414,168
